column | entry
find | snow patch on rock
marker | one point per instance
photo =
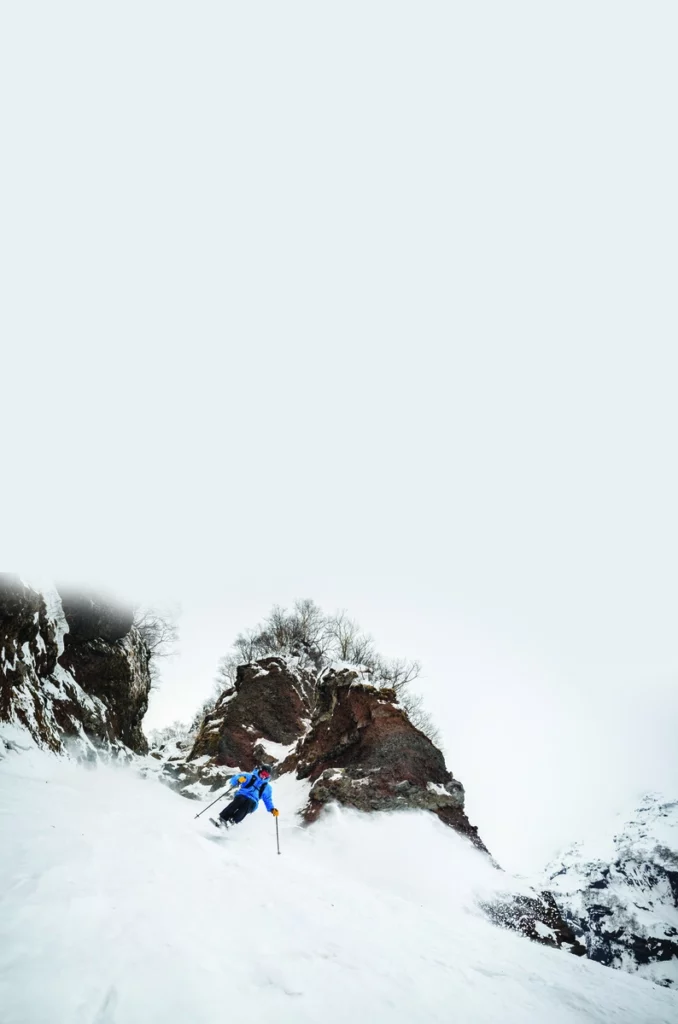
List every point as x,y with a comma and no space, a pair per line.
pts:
619,892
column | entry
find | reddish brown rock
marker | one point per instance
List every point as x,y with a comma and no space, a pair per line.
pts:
364,752
270,703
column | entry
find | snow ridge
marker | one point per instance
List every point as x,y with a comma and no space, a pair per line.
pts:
128,910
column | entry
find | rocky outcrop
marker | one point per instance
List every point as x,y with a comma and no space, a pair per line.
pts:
536,916
621,895
258,719
356,747
106,654
85,693
28,653
362,751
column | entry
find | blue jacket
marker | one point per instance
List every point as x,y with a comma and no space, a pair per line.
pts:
254,789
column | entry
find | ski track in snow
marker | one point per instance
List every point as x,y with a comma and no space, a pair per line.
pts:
119,908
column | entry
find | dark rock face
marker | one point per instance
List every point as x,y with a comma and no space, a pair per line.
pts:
93,617
537,917
23,619
63,687
364,752
117,673
27,650
624,906
269,704
256,721
105,653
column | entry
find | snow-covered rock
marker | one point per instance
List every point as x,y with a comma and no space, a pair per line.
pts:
265,712
620,892
363,751
73,674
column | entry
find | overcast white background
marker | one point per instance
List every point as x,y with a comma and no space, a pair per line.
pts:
373,303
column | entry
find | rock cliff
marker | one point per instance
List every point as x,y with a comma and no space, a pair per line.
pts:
362,751
74,671
260,718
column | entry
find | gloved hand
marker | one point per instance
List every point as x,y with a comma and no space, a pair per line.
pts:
242,778
275,812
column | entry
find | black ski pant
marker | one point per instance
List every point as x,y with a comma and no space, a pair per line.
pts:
238,809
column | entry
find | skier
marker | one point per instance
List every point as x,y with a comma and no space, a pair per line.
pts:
253,787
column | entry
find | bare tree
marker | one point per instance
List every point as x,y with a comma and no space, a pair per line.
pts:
317,639
413,704
159,632
348,642
309,634
227,669
396,673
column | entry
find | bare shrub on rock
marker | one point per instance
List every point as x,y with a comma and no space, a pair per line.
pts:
317,640
160,634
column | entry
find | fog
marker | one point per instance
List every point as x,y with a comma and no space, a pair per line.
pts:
373,305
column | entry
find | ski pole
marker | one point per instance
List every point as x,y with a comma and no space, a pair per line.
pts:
220,797
277,835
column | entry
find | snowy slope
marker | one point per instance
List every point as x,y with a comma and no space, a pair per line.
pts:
119,908
619,891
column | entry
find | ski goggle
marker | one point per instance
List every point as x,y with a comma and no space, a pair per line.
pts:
264,775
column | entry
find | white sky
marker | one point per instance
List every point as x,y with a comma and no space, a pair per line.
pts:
375,304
